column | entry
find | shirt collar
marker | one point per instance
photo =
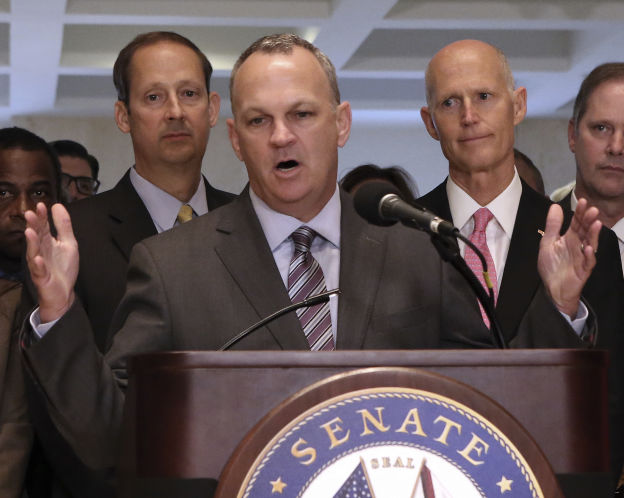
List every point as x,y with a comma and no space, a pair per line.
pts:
162,206
618,228
573,201
504,207
277,227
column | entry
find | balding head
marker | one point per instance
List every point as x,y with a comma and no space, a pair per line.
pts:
465,50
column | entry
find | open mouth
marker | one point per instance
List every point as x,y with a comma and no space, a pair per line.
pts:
287,165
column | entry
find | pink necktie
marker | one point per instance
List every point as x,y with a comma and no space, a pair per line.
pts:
481,219
305,279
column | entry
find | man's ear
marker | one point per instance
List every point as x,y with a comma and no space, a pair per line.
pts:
429,124
214,105
343,122
520,104
233,134
121,116
572,136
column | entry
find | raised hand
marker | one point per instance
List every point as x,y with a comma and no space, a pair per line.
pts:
566,262
53,262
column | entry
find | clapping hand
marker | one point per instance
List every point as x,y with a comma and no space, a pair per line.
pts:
566,262
52,261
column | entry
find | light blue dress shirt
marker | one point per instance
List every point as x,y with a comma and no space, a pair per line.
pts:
163,207
325,248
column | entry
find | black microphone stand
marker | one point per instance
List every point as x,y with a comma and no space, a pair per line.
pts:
323,297
449,251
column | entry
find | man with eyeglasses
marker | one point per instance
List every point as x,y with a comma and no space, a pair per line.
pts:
79,170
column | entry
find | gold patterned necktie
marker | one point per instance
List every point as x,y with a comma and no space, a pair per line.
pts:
185,214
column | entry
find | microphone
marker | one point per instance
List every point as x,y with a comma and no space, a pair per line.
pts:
323,297
379,203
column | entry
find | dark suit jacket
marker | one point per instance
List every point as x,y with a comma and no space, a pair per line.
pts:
604,291
107,226
566,202
603,294
394,294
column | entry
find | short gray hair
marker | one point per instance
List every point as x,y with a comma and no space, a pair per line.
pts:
609,71
284,43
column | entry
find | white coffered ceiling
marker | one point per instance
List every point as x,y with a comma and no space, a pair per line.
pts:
56,55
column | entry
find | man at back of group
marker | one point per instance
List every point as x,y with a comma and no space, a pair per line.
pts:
596,137
251,257
80,170
29,174
472,109
166,106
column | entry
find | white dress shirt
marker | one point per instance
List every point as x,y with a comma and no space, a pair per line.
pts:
499,230
162,206
277,228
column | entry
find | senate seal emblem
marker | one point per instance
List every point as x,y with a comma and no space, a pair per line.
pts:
390,442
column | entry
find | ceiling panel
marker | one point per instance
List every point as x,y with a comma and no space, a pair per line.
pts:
380,47
411,50
366,93
98,45
490,10
206,8
4,44
4,90
70,86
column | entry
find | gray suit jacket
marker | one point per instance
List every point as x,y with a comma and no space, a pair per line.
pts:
196,286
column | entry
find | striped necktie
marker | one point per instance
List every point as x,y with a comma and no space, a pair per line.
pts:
305,279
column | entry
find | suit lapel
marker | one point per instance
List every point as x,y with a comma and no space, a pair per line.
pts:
216,198
437,201
130,220
520,278
247,256
362,255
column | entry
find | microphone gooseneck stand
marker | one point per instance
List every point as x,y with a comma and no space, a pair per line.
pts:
380,203
323,297
449,251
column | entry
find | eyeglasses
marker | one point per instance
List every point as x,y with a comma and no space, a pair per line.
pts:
84,184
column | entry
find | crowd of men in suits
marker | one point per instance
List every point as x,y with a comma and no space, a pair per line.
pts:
105,288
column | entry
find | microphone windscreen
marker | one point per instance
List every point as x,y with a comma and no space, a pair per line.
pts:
367,199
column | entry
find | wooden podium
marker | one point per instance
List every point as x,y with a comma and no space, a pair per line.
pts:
187,411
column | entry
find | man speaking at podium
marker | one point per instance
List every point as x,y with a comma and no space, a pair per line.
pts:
291,233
